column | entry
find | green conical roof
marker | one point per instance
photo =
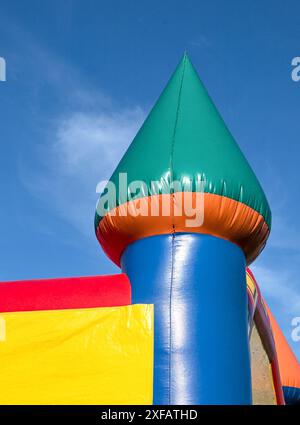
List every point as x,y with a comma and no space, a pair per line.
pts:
185,136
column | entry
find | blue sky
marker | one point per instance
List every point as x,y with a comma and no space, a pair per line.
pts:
81,77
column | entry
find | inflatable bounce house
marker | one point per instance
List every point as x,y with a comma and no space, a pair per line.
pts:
185,321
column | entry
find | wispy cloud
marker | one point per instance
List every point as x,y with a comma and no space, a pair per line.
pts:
277,269
279,287
83,131
93,143
284,235
201,41
84,148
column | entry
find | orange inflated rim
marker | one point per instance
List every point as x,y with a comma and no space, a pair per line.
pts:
223,217
288,364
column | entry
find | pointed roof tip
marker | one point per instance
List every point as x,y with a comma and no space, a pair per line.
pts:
186,59
204,145
183,139
185,55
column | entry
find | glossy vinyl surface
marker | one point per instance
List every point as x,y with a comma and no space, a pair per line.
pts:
77,356
292,395
289,366
212,215
65,293
184,138
184,146
197,285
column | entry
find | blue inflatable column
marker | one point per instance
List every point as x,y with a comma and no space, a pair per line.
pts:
197,284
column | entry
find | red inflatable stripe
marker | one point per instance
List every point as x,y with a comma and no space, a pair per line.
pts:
65,293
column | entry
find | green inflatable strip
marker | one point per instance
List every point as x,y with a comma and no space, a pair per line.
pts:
184,138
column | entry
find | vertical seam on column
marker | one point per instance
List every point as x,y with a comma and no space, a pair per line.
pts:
170,316
173,229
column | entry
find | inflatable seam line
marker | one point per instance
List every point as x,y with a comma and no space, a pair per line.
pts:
170,315
176,122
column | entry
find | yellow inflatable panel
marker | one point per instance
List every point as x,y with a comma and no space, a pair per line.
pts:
84,356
